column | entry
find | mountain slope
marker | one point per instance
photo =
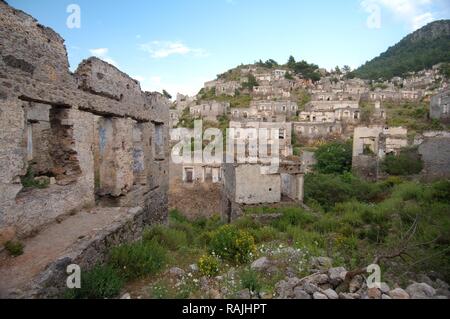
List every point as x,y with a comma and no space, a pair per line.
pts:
422,49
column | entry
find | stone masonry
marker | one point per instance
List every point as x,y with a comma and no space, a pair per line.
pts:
94,136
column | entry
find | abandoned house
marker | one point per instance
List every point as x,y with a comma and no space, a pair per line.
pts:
210,110
372,144
284,135
227,88
91,141
256,184
202,173
440,106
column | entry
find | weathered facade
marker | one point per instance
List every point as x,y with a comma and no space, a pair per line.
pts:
210,110
92,137
372,144
440,106
256,184
434,148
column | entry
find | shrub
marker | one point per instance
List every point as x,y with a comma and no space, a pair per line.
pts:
293,217
232,244
408,162
250,280
327,190
167,237
334,158
441,191
14,248
101,282
208,265
138,259
177,216
29,180
264,234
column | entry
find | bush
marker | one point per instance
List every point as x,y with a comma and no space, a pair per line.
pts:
293,217
264,234
99,283
250,280
327,190
14,248
208,266
138,259
232,244
30,181
408,162
441,191
167,237
334,158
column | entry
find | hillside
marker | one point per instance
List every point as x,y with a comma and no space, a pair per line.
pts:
420,50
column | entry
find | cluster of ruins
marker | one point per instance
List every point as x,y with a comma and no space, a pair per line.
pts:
334,111
93,143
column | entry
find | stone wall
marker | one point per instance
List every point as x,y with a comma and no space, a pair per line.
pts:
75,130
440,106
435,151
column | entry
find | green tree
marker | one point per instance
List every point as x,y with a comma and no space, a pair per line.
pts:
346,69
334,158
291,62
167,95
408,162
252,82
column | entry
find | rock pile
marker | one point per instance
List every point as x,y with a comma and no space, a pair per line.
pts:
331,284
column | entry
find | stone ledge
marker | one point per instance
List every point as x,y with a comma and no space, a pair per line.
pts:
49,280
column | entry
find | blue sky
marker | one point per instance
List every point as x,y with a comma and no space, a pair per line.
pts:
179,44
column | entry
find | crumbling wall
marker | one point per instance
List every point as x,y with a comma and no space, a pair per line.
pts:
52,120
253,187
435,152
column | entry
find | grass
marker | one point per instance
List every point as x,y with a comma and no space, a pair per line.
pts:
14,248
29,181
170,238
140,259
372,218
99,283
411,115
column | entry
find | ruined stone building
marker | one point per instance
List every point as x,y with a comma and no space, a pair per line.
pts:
202,173
227,88
327,118
284,130
266,111
440,106
91,139
372,144
256,184
434,149
210,110
392,95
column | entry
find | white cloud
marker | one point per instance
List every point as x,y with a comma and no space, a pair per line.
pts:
422,20
102,53
99,51
416,13
163,49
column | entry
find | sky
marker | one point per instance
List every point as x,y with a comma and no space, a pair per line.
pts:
177,45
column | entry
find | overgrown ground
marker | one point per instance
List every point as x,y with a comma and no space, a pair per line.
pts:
350,221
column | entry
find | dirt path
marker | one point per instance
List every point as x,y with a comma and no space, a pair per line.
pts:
50,244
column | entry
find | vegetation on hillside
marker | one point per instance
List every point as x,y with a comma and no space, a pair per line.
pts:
419,50
240,100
